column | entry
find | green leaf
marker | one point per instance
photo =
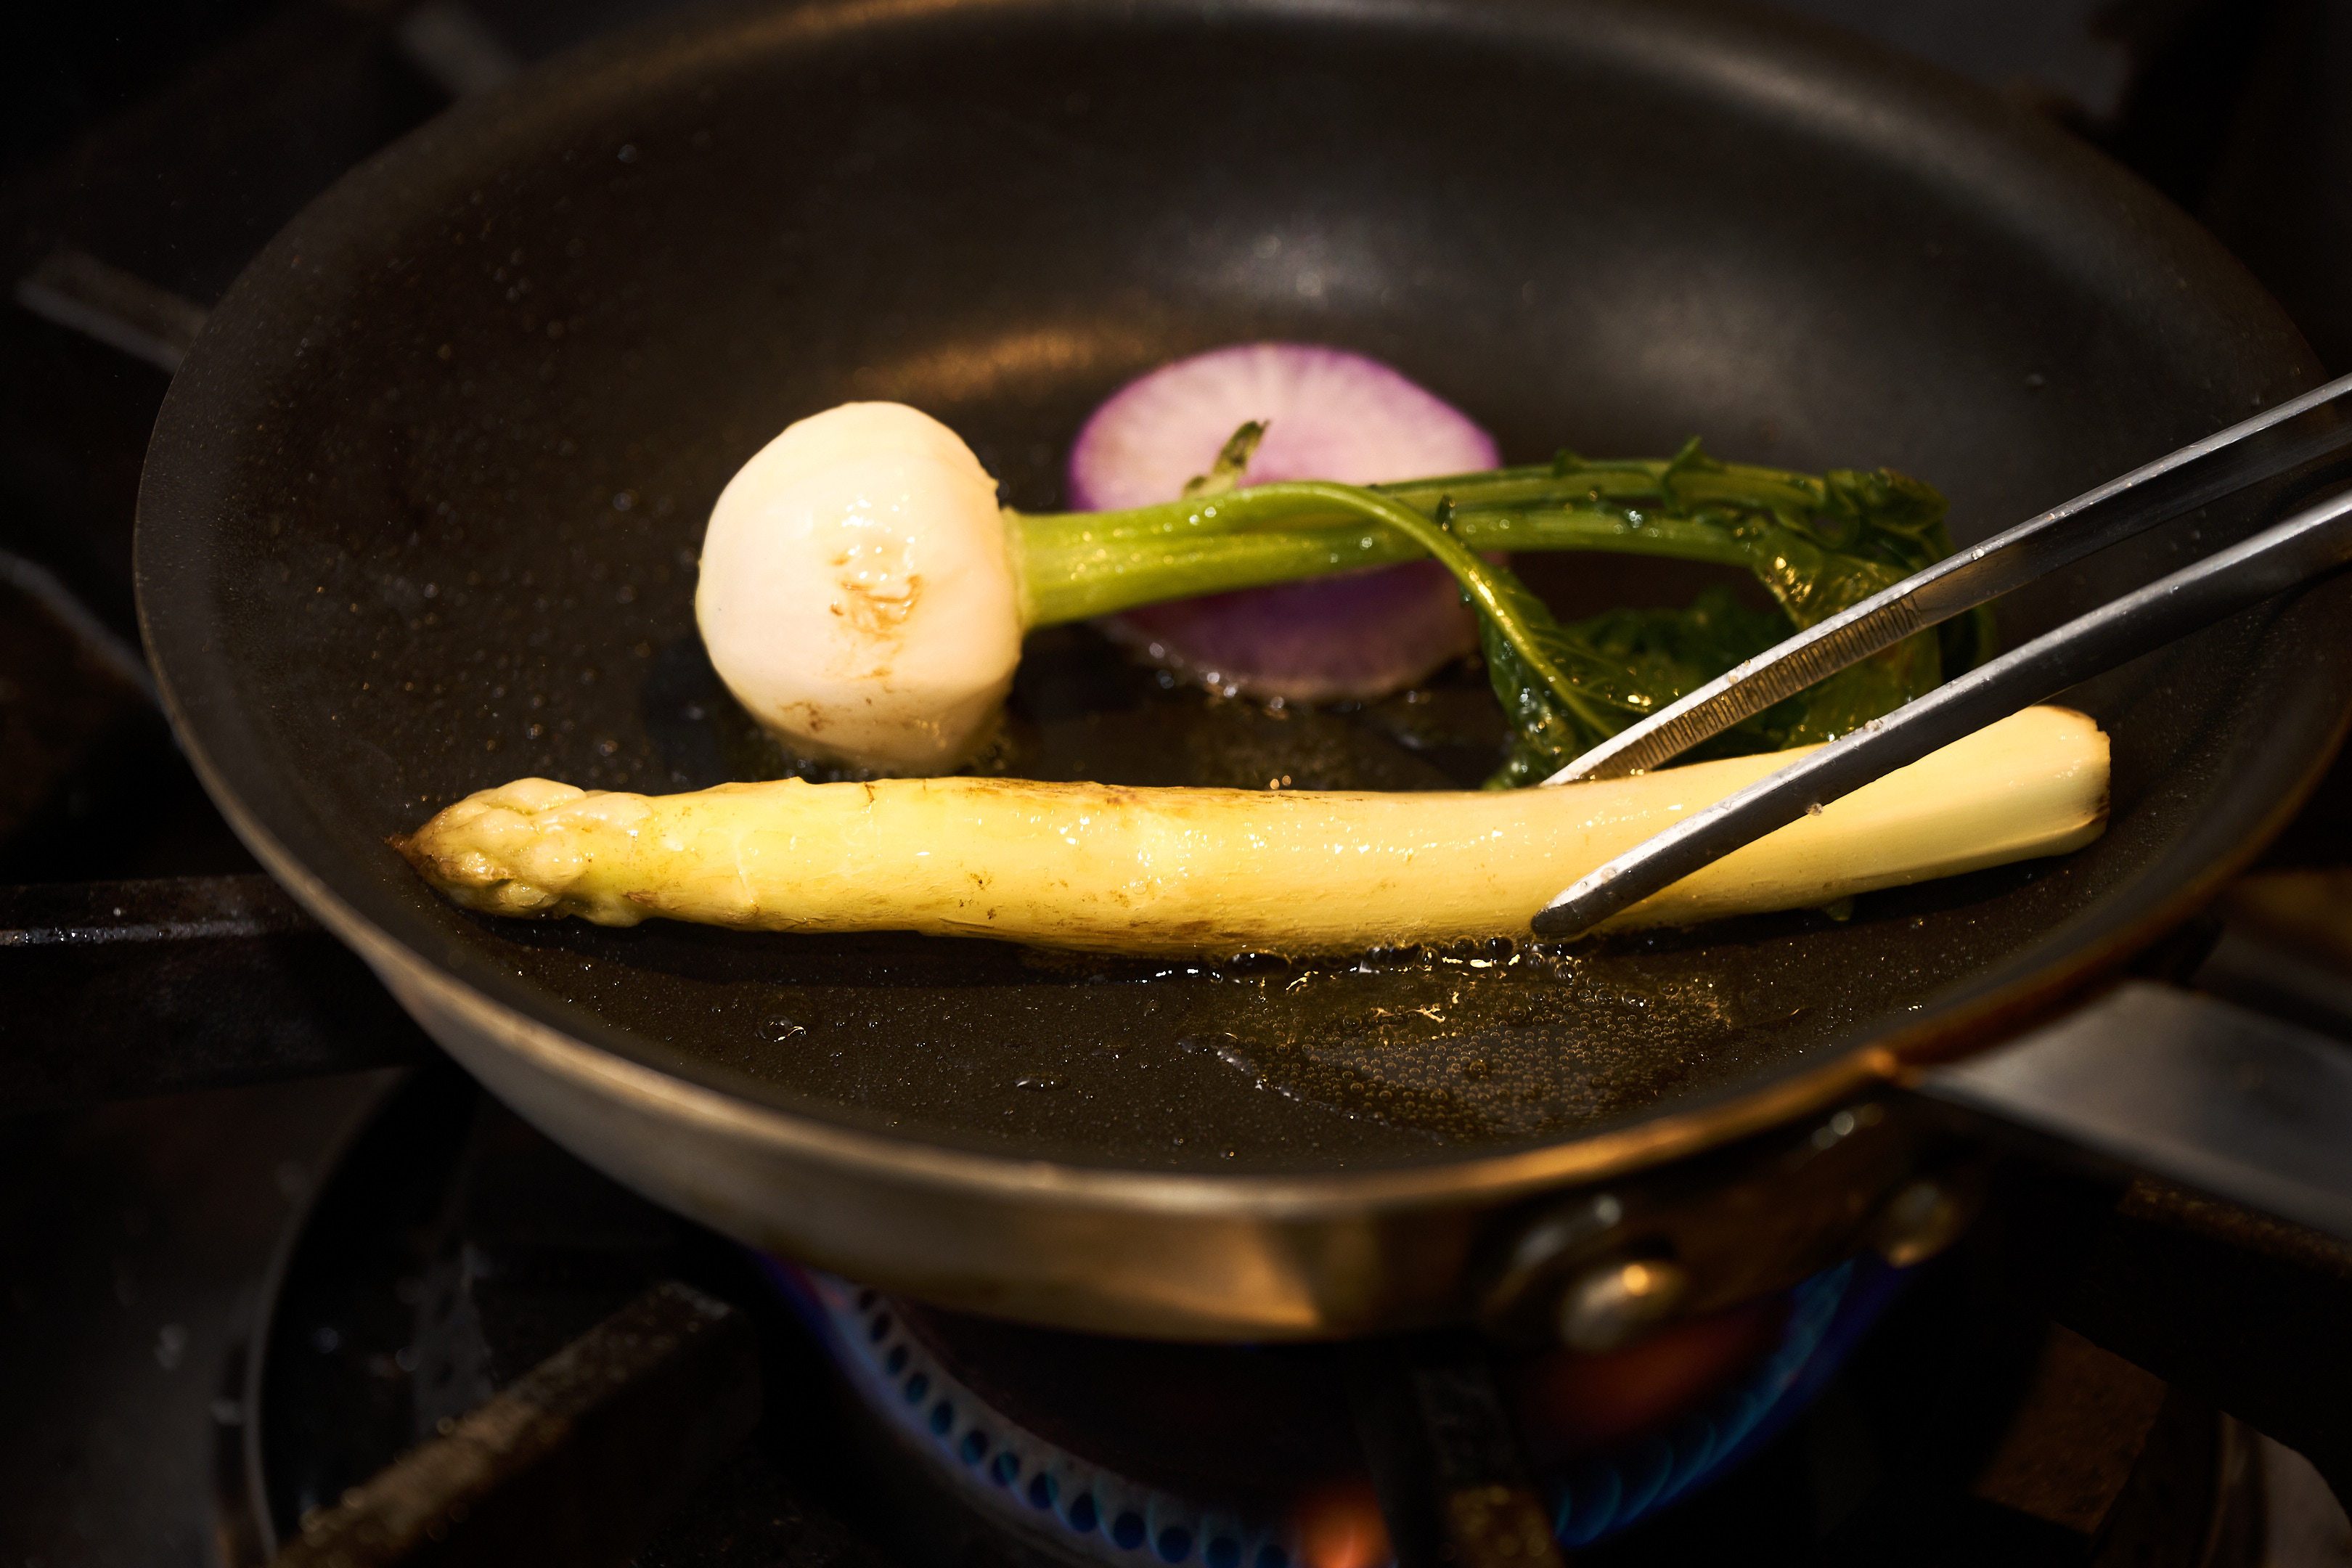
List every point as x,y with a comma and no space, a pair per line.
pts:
1233,461
1557,712
1817,545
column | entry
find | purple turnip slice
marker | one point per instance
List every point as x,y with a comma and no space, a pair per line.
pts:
1329,415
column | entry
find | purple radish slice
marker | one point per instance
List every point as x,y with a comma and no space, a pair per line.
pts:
1329,415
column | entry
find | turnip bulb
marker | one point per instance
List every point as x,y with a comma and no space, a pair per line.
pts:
858,595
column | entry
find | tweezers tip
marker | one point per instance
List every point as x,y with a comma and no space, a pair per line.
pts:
1558,923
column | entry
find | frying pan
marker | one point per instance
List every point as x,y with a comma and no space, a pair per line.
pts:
422,509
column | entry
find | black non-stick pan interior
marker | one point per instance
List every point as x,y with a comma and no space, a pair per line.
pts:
423,510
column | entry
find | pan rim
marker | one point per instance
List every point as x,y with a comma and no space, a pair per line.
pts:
1844,1066
1614,1150
1498,1178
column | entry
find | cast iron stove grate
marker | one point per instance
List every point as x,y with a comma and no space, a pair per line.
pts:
454,1250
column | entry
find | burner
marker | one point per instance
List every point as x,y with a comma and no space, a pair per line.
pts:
1079,1510
1239,1456
1826,1315
453,1252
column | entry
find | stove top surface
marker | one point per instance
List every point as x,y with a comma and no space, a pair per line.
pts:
230,1306
253,1300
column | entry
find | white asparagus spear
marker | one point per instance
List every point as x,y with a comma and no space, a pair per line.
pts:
1215,871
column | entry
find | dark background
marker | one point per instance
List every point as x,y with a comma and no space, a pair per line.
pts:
154,145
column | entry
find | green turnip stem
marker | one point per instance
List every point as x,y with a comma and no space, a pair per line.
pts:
1816,544
1075,568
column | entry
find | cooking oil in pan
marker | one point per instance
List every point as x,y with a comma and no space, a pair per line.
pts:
1477,1041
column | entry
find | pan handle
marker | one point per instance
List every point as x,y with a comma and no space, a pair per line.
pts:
2181,1086
123,989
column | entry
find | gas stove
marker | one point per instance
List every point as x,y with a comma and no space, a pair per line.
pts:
287,1287
353,1314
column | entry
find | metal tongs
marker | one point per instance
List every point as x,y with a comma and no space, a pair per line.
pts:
2314,541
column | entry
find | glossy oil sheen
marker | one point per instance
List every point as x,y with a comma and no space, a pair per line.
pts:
423,507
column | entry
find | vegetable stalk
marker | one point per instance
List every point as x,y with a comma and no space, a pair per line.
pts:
1819,544
1076,565
1214,871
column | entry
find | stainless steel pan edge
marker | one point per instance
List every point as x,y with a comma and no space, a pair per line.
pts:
1221,1259
1184,1256
1174,1255
1130,1252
